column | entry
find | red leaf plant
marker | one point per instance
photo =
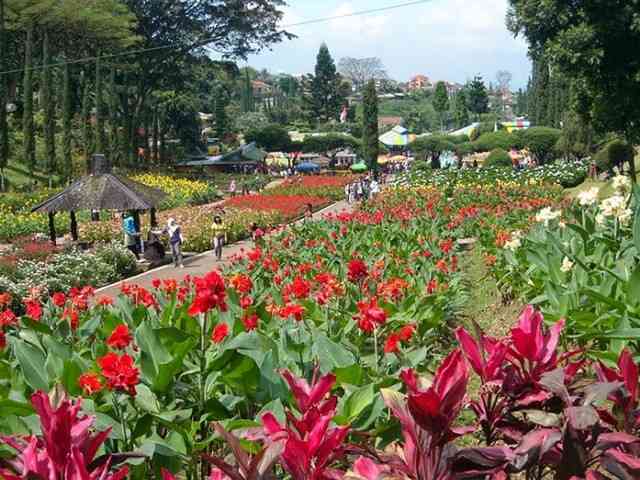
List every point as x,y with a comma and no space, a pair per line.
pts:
310,445
66,449
427,421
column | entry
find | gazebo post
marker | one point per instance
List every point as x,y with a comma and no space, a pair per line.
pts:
152,218
52,228
74,226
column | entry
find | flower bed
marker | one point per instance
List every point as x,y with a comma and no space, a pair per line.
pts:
287,206
320,186
180,191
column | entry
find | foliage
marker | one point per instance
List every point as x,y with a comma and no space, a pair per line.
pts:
370,140
614,154
361,70
329,144
477,96
500,139
326,97
316,186
441,101
460,109
498,158
541,142
272,137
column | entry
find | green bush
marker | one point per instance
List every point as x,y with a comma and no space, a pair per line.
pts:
541,142
119,257
498,158
463,149
490,141
458,139
614,154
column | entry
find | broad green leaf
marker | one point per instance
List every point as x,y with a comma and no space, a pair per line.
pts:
331,354
633,287
11,407
71,371
358,400
32,361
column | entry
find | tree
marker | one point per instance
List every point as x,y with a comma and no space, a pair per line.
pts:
85,120
27,107
99,118
48,107
4,128
360,70
461,110
540,85
329,145
247,101
326,97
273,138
441,101
477,97
370,145
222,122
67,159
594,44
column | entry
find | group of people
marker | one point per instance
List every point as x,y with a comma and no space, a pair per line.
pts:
364,189
521,159
173,232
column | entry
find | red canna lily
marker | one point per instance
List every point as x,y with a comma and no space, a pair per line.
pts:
210,294
120,372
357,271
59,299
120,337
220,332
370,315
66,449
90,383
33,309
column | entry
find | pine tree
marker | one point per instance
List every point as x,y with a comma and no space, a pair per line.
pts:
461,111
67,160
541,93
247,100
86,119
112,109
49,109
4,127
100,135
477,97
326,99
155,134
370,125
441,101
221,114
27,111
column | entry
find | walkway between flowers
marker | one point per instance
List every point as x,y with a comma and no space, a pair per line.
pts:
199,265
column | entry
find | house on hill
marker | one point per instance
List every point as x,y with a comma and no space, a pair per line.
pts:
387,123
419,82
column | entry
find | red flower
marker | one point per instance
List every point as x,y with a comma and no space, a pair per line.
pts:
156,282
432,286
59,299
357,271
34,309
246,302
90,383
392,343
105,301
210,294
3,340
120,337
442,266
446,245
300,288
250,322
292,309
120,372
8,318
5,299
71,314
406,332
241,283
220,332
370,315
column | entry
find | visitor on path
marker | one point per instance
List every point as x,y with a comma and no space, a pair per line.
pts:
308,214
176,240
359,190
232,188
219,236
375,188
347,192
131,234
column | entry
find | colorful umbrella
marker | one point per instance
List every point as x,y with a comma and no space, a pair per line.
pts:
397,137
359,167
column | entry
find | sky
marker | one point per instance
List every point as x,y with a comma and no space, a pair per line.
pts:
451,40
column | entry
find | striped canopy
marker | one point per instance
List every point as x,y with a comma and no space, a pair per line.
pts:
397,137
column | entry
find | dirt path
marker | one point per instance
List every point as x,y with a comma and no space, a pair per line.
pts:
201,264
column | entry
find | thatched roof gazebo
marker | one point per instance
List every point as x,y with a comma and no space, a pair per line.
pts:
101,190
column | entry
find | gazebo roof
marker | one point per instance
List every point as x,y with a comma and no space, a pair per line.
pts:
103,191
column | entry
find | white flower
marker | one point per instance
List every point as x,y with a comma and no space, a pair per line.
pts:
621,184
546,215
616,206
588,197
567,265
600,219
515,242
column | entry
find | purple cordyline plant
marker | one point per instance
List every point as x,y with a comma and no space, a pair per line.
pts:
65,451
310,445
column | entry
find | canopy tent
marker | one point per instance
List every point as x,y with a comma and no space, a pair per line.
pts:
308,167
248,154
468,130
359,167
517,125
396,137
102,190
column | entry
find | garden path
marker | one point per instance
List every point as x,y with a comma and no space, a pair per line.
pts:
199,265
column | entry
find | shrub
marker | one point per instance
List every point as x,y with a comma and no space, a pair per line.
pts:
458,139
498,158
614,154
432,145
490,141
541,141
119,257
465,148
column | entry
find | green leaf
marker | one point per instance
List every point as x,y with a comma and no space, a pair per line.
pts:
36,326
71,371
32,361
11,407
633,287
330,354
636,222
351,375
358,401
146,399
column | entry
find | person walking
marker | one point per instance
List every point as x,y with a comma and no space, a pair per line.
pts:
176,240
131,234
219,236
375,188
347,192
232,188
